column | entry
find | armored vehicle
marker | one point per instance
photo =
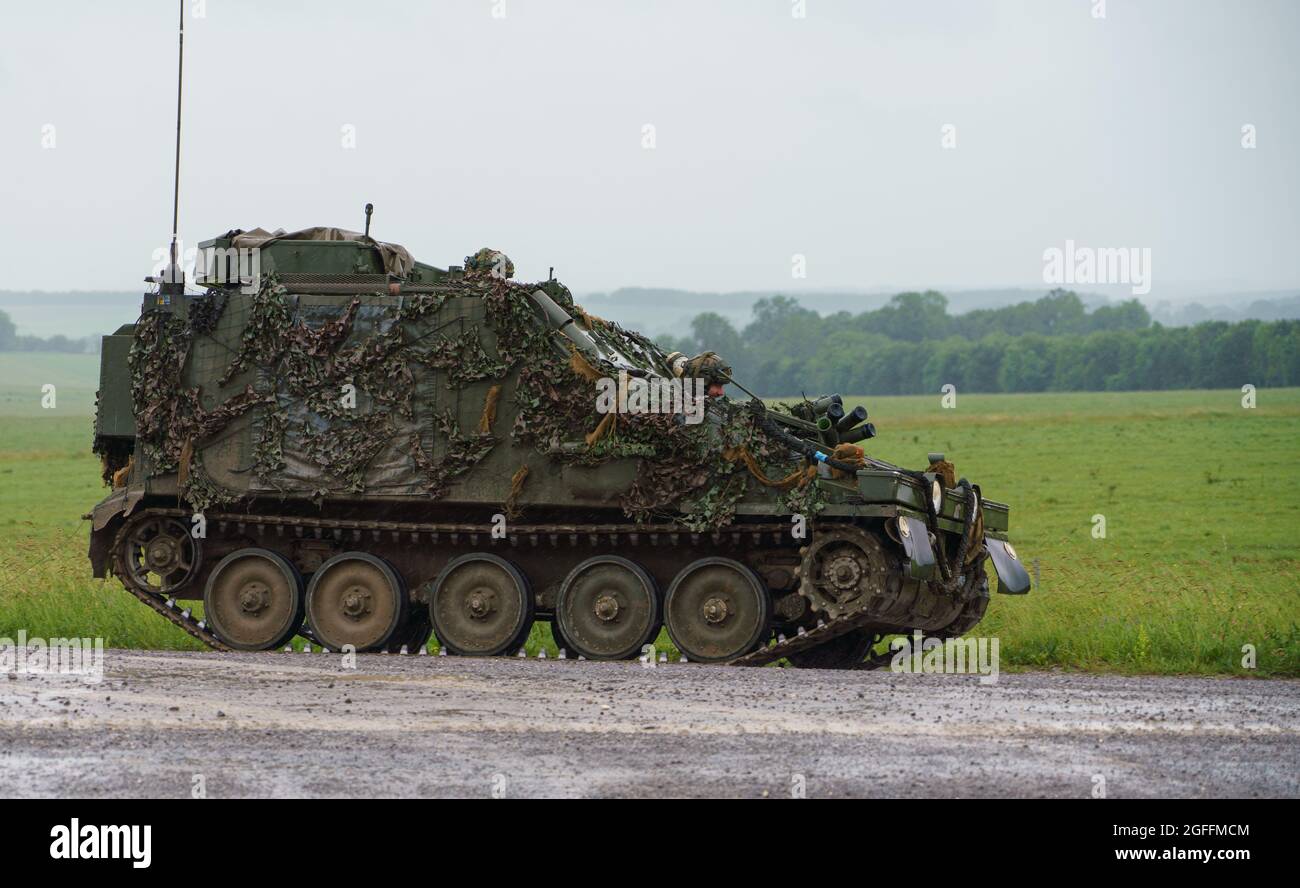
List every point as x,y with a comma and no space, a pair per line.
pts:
327,438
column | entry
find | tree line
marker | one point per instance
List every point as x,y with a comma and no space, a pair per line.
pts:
913,346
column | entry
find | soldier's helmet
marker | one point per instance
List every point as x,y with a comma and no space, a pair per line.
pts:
488,262
708,366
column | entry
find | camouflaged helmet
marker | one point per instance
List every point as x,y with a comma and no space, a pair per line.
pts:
709,367
676,362
489,262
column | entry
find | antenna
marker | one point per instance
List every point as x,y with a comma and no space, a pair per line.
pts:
370,208
174,283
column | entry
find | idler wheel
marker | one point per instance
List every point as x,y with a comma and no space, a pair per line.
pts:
160,556
253,600
355,599
716,609
481,606
608,608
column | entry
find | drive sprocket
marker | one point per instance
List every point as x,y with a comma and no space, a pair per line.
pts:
842,570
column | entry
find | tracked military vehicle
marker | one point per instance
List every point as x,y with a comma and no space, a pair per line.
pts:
336,441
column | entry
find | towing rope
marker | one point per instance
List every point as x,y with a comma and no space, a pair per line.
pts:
489,410
510,506
797,478
601,429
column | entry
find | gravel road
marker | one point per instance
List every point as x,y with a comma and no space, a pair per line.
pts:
160,723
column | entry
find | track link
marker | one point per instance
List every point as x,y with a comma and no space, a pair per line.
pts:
783,647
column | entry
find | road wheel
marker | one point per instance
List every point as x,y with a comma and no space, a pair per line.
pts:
716,609
481,606
608,608
253,600
355,599
557,635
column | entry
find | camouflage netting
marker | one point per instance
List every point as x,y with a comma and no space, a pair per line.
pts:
170,418
405,363
691,473
385,356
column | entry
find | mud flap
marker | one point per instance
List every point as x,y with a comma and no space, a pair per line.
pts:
916,543
121,502
1013,579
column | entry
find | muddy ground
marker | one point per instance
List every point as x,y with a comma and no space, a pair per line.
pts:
160,724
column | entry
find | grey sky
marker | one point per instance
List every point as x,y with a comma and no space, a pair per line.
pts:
774,136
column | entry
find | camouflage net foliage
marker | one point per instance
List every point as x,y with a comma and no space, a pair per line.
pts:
301,360
693,474
462,357
307,367
169,418
312,365
463,453
205,311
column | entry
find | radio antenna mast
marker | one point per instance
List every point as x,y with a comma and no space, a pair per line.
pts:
174,283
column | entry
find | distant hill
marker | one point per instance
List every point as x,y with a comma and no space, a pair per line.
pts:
1275,305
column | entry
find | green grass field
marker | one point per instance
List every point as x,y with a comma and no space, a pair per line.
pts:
1199,559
